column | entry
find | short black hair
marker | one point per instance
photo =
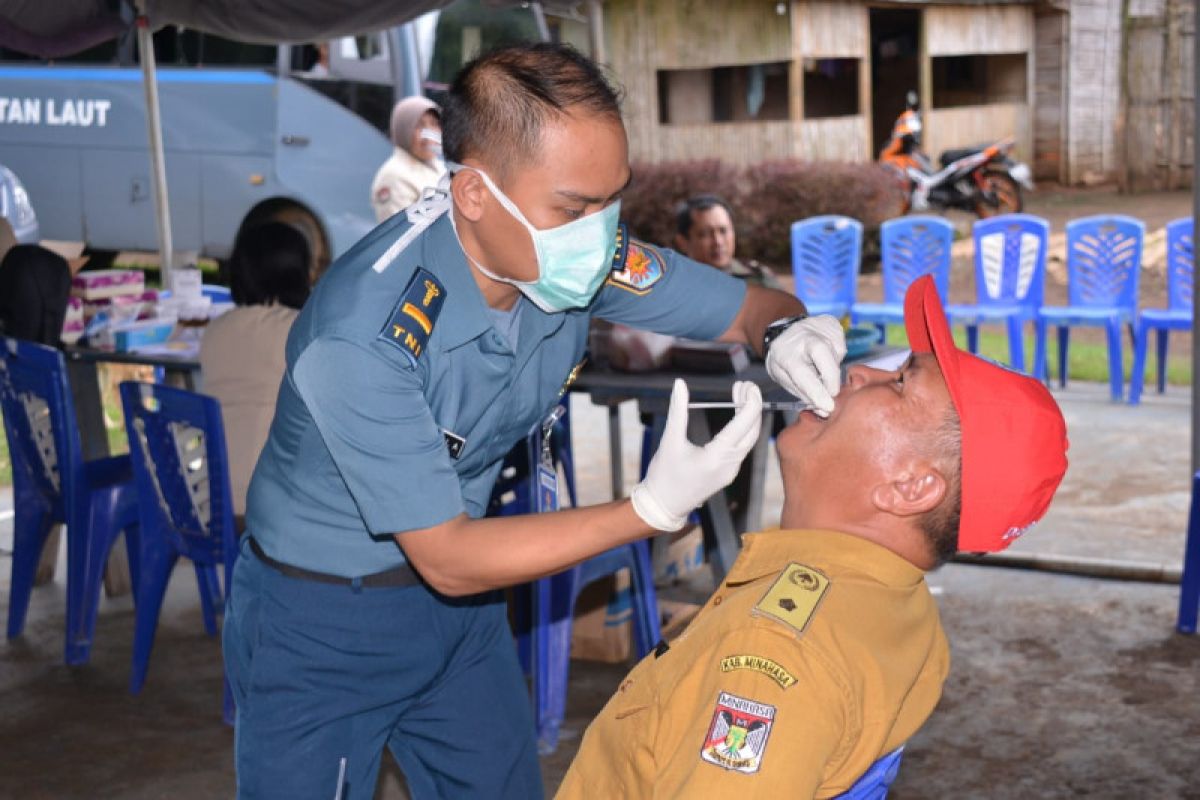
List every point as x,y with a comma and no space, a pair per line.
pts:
701,202
940,526
35,286
270,264
499,102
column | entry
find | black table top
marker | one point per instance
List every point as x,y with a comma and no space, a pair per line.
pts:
90,355
609,385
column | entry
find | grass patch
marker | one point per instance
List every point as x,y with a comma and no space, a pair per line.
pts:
1086,361
118,444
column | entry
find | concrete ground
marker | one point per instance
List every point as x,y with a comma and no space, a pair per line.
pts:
1060,686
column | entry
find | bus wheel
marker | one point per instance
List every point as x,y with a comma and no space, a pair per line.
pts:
306,223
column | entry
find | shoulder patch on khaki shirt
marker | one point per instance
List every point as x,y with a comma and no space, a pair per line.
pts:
794,596
772,669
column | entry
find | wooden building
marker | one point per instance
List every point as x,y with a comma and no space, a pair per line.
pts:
1086,98
748,80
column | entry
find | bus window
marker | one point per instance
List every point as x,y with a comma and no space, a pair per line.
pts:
208,50
104,54
357,76
469,27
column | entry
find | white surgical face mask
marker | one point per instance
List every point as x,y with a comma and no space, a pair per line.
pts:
573,259
434,137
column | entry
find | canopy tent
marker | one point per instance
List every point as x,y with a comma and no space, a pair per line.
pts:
64,27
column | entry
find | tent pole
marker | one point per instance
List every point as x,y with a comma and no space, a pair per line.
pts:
1195,286
162,208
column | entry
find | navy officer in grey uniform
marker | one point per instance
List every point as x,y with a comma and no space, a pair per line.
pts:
364,609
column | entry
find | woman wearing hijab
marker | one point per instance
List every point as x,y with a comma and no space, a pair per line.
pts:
415,162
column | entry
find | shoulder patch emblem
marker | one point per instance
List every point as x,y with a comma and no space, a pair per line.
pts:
794,596
383,194
772,669
737,736
412,320
641,268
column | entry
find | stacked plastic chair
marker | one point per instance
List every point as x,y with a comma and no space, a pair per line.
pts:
912,247
1189,588
1104,264
177,445
1177,316
52,484
826,253
1010,276
875,782
544,610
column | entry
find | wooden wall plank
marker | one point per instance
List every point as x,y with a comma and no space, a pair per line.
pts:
967,126
706,33
831,29
961,30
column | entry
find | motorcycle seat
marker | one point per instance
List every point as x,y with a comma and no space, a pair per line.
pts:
949,156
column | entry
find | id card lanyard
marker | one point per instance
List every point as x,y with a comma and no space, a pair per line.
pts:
547,474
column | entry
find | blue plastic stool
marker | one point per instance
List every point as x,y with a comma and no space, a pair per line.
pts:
177,445
544,610
912,247
875,782
826,255
53,484
1189,589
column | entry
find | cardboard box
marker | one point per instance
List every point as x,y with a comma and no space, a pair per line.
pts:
101,283
682,556
603,628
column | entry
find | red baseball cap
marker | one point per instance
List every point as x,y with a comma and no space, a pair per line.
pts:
1014,438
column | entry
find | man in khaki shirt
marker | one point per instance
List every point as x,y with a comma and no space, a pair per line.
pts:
822,650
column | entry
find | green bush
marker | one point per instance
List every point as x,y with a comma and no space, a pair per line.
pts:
766,199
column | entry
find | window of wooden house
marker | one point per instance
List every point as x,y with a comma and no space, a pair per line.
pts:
830,87
976,80
750,93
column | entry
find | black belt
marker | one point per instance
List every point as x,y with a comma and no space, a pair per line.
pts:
396,577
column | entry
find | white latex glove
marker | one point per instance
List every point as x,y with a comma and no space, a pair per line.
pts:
806,360
681,475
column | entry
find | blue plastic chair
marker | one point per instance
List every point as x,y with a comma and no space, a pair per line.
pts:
875,782
1189,589
177,445
1104,263
912,247
1177,316
826,253
1010,277
544,610
52,483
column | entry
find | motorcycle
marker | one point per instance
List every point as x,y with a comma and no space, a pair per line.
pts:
985,180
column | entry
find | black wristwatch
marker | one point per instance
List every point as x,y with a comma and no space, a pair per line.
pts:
776,329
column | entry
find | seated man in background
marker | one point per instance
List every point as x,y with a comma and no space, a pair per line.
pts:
704,232
822,650
242,353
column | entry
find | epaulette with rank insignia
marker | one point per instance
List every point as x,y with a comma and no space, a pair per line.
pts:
411,322
794,596
637,266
